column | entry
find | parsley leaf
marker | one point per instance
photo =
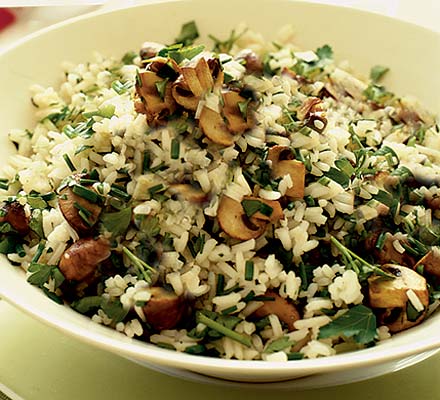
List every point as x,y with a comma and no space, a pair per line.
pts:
324,52
117,223
358,322
188,34
377,72
278,345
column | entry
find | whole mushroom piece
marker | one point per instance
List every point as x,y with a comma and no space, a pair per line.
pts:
391,297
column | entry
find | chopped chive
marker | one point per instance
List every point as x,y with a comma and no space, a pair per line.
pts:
263,298
238,337
295,356
175,149
85,193
420,269
38,253
146,162
229,310
20,250
83,209
119,192
249,270
159,167
85,181
49,196
380,241
156,188
220,284
85,218
4,184
266,209
69,162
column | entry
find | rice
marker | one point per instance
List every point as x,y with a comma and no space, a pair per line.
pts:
235,204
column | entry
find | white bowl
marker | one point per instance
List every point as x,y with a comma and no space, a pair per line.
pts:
412,53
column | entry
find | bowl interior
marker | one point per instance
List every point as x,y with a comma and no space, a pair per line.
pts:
395,44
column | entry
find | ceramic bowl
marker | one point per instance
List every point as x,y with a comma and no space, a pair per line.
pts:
411,52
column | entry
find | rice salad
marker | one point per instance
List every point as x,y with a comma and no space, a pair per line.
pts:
246,200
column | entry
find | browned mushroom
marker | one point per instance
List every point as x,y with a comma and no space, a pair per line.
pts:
149,50
80,213
430,262
188,192
14,215
390,297
387,253
165,309
82,258
182,94
234,221
156,105
237,121
310,106
282,163
282,308
214,127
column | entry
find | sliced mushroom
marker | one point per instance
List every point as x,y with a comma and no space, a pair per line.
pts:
388,253
430,262
189,192
236,121
233,220
82,258
165,309
182,94
71,206
282,308
282,164
156,107
276,214
310,106
391,299
214,127
15,216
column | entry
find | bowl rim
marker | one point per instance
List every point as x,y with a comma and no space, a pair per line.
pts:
152,353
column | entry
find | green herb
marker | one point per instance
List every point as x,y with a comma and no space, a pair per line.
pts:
39,252
377,72
185,53
411,312
4,184
161,87
57,117
117,222
69,162
114,310
220,284
296,355
42,272
36,202
85,193
82,129
19,249
362,268
225,46
54,297
196,245
278,345
249,270
7,245
358,322
121,88
243,107
146,162
82,148
218,327
188,34
195,349
324,52
86,304
128,57
156,189
380,241
175,149
84,213
229,310
144,271
104,111
378,94
179,125
119,192
251,207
